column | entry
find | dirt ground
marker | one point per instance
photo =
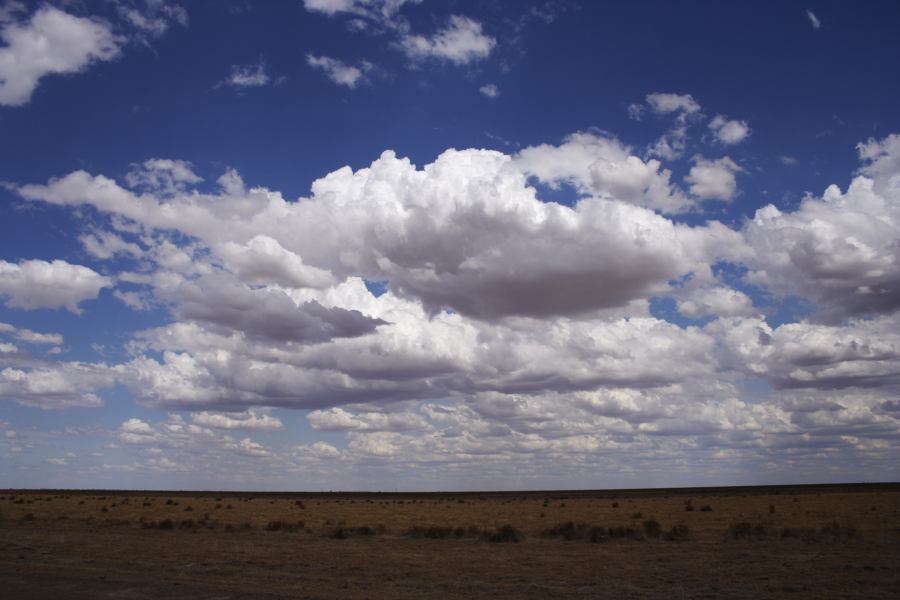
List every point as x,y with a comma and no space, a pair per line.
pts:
786,542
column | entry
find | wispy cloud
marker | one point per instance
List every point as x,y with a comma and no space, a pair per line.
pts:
813,19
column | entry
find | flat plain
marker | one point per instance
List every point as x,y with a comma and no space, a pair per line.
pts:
837,541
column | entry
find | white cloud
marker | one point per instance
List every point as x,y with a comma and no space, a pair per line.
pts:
813,19
338,71
31,337
248,447
104,245
716,301
881,160
379,10
162,175
635,111
55,385
837,250
670,103
34,284
490,90
603,166
153,17
729,132
788,160
460,42
713,179
338,419
51,42
511,329
247,76
247,420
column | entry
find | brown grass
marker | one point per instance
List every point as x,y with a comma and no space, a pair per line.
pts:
837,543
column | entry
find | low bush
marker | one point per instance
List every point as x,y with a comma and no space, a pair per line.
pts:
284,526
435,532
652,528
503,535
747,531
341,532
678,533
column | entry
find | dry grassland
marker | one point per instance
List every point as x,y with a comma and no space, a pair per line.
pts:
788,542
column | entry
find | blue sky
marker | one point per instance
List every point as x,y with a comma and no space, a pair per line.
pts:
376,244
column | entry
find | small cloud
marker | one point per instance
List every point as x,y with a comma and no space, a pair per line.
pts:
713,179
669,103
490,90
338,71
788,160
461,42
635,112
729,132
57,461
813,19
247,76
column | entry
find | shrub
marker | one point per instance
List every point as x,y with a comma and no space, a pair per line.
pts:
284,526
567,531
637,515
621,532
188,509
706,508
615,505
678,533
341,533
747,531
652,528
504,534
434,532
299,504
166,524
28,517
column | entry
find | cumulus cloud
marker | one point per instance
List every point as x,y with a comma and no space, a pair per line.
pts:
33,284
247,420
713,179
162,175
50,42
836,250
378,10
31,337
338,71
600,165
461,42
490,90
505,328
247,76
716,301
672,103
55,385
413,228
729,132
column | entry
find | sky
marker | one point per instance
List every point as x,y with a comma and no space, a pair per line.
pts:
420,245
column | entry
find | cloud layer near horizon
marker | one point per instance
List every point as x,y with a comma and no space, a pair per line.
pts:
508,326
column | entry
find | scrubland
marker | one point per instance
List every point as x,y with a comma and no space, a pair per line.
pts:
781,542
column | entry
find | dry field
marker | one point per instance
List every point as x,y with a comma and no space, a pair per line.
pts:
784,542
